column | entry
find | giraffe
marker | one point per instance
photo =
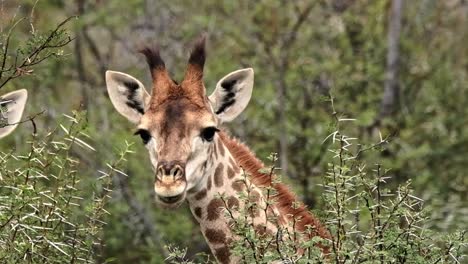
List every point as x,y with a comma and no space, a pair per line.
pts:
194,159
11,109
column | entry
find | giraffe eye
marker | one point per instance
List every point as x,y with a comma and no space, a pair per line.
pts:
208,133
144,134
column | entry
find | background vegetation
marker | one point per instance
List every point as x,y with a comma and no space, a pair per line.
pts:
401,73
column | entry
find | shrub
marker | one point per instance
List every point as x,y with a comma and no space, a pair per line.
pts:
370,221
48,212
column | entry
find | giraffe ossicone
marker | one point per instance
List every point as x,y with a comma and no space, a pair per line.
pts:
192,156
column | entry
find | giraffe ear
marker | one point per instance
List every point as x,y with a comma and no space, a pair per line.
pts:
11,110
128,95
232,94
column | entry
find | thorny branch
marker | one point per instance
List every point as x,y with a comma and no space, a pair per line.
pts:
37,55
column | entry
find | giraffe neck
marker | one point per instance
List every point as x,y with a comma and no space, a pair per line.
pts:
219,189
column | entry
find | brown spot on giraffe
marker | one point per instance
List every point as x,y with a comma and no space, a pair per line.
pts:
222,254
272,214
200,195
198,212
254,199
255,211
208,182
230,173
215,152
238,185
232,202
254,196
218,175
210,151
261,230
271,232
231,223
221,148
214,208
215,236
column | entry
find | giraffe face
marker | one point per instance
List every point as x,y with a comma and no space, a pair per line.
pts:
177,135
178,122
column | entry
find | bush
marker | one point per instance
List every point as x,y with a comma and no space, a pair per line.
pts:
370,221
48,212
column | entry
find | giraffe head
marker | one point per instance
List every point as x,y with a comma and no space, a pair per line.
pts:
177,121
11,109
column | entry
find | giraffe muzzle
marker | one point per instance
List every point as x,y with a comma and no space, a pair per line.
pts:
170,183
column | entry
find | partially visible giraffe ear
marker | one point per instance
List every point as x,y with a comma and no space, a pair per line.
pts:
232,94
128,95
11,110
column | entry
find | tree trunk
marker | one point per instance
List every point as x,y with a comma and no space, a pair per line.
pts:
283,133
391,86
79,60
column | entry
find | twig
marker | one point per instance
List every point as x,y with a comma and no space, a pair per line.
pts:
33,57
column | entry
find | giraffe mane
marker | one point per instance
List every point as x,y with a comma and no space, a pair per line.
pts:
285,200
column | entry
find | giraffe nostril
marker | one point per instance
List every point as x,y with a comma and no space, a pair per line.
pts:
173,171
177,172
160,172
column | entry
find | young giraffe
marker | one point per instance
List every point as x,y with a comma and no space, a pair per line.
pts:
193,158
11,109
